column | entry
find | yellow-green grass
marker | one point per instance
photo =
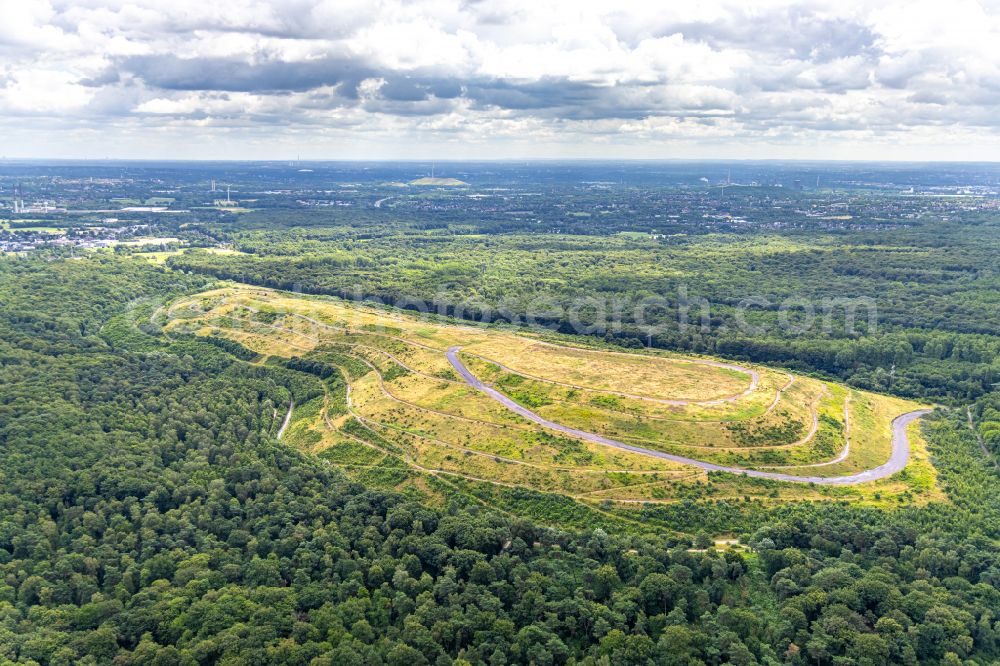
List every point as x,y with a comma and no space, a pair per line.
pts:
640,375
780,436
431,456
916,484
437,457
870,418
523,444
543,392
413,416
450,398
537,464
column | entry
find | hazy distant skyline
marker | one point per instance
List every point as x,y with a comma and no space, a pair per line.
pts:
481,80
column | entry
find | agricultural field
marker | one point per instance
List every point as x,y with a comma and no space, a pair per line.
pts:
43,227
610,429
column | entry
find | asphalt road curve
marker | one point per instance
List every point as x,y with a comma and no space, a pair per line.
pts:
897,459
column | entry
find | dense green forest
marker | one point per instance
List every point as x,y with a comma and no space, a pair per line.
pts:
149,516
923,295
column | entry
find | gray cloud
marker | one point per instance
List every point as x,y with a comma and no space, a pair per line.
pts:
237,75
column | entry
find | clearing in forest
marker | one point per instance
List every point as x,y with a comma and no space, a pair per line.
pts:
555,414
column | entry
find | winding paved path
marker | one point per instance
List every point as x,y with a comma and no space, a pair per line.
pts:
897,459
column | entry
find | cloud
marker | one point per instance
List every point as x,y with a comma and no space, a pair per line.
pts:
550,73
265,76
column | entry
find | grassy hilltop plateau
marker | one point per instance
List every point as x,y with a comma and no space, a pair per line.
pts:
393,410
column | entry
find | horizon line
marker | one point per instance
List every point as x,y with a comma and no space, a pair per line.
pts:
402,160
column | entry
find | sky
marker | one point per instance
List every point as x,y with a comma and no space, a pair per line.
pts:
491,79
